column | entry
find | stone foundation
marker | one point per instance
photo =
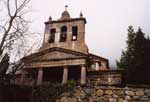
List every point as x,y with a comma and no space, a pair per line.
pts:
106,94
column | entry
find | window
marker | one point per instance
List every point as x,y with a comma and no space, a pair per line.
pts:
63,34
99,63
52,35
93,66
74,33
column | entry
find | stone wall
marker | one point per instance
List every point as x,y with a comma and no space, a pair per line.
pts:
106,94
109,77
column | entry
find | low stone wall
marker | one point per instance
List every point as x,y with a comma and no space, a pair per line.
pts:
106,94
109,77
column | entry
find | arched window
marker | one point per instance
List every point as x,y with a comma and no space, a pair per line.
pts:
74,33
52,35
63,34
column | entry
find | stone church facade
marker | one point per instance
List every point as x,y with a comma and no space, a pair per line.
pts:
63,55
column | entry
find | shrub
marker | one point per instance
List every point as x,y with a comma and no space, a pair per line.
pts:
51,91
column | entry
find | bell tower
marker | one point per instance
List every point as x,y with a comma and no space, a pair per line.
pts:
66,32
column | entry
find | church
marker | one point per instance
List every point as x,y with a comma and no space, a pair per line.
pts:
65,56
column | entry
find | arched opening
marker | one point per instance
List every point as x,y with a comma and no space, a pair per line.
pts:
63,34
74,33
52,35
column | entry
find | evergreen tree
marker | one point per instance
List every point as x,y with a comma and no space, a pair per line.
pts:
127,57
145,75
136,72
124,61
135,60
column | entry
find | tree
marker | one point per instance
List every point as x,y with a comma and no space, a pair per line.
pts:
136,70
4,65
126,55
15,37
14,27
134,60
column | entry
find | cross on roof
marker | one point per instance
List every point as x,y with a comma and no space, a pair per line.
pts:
66,7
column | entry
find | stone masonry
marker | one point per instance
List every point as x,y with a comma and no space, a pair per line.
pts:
106,94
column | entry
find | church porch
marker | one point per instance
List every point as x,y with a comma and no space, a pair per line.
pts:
59,74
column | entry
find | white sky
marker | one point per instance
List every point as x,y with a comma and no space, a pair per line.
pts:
107,21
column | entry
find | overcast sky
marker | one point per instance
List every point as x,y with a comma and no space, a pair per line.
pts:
107,21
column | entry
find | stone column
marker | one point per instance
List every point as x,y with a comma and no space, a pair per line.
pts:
104,65
65,75
97,66
40,77
83,75
23,74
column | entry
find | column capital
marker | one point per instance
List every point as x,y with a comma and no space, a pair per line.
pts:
65,66
83,65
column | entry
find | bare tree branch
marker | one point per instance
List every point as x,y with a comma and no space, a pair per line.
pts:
14,18
15,36
8,8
